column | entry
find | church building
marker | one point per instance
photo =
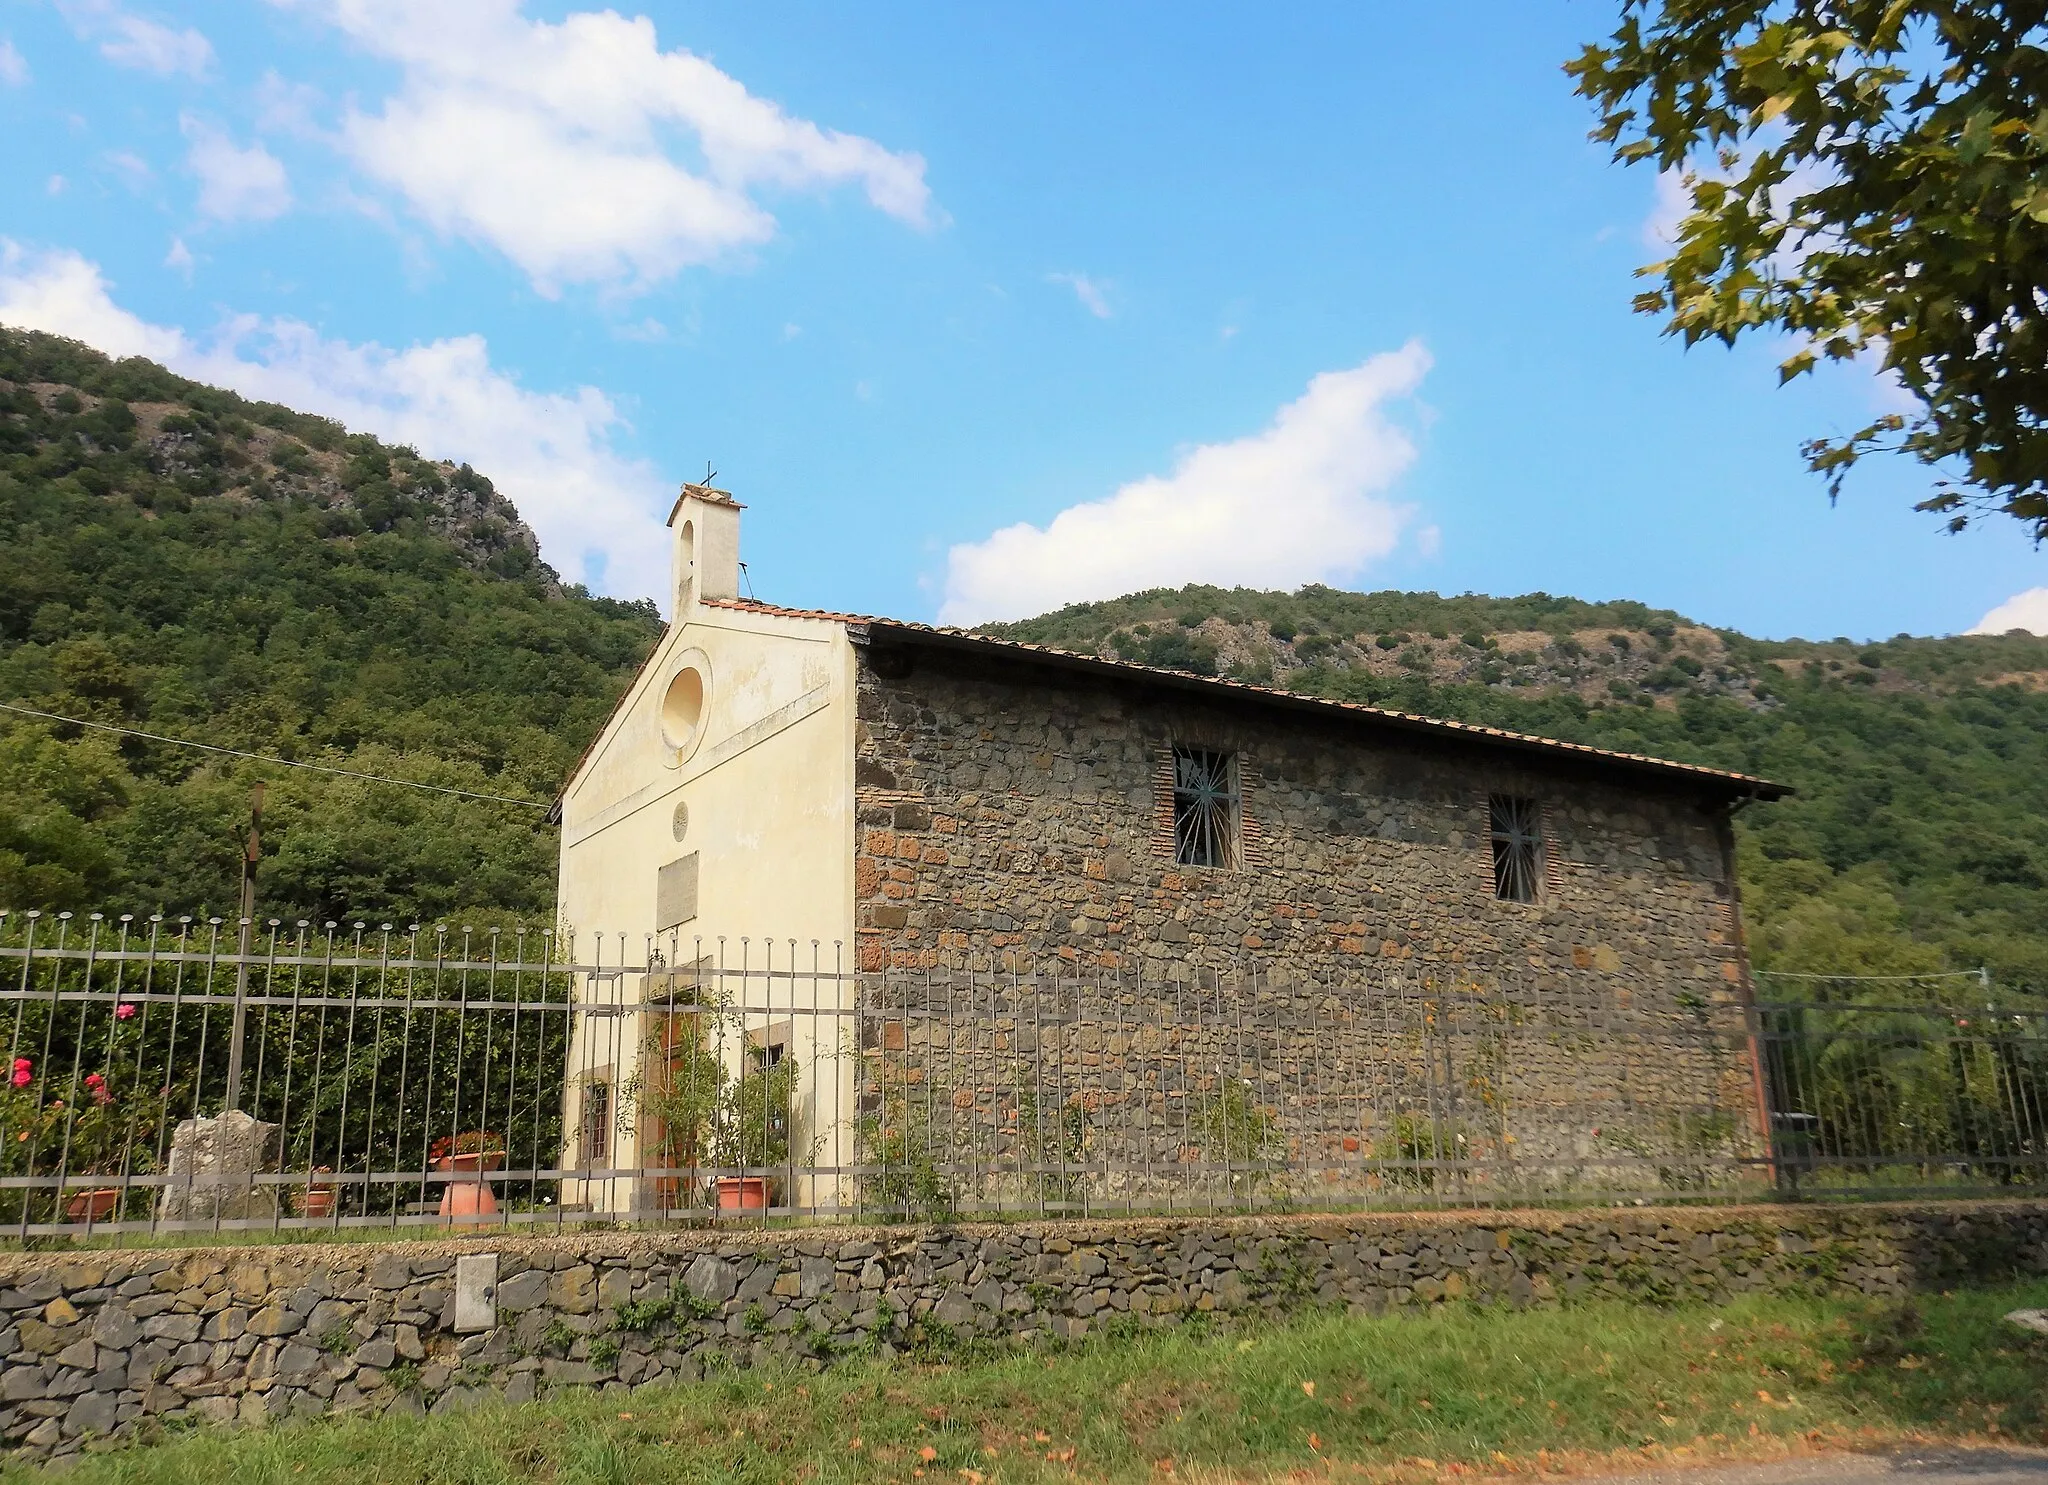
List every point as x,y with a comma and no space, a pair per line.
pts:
819,791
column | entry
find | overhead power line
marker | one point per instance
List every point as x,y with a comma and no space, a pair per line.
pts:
347,773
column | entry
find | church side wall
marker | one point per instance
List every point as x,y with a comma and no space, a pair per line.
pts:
1021,822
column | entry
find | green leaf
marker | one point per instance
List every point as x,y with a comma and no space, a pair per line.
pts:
1797,365
1859,200
1976,139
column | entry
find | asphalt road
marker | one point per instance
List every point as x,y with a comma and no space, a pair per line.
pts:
1900,1467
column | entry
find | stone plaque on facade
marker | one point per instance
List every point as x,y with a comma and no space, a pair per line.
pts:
675,893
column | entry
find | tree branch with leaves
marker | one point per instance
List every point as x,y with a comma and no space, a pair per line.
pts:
1869,177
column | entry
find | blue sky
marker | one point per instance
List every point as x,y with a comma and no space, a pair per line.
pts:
977,313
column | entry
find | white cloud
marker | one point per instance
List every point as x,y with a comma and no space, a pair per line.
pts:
1092,294
1672,205
133,170
64,294
235,184
559,145
286,107
1301,501
2028,611
55,185
130,40
597,511
179,259
13,65
648,331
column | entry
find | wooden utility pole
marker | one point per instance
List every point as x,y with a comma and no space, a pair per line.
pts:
252,852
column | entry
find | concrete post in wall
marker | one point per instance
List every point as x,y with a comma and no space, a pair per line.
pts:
476,1293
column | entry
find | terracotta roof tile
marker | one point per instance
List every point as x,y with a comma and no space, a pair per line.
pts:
1745,783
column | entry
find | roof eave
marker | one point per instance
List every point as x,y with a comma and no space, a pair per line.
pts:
1723,784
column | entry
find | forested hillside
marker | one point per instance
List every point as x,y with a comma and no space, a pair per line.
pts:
1918,840
178,560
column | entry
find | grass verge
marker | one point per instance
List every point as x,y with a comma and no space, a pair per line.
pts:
1331,1396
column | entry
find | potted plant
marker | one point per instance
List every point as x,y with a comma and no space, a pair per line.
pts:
750,1131
97,1135
316,1197
473,1151
671,1099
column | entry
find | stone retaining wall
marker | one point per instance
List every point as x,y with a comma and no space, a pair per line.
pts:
104,1344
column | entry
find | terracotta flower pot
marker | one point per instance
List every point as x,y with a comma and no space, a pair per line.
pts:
479,1160
316,1201
93,1206
469,1198
742,1193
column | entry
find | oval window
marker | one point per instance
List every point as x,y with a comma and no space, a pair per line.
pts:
682,708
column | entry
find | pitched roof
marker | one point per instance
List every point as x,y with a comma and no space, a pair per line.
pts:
706,494
902,631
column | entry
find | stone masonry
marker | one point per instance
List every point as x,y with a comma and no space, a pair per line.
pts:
1015,820
100,1345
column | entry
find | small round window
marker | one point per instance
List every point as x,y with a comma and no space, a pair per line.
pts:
682,708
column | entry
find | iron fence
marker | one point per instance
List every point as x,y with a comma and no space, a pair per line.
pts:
1906,1083
366,1076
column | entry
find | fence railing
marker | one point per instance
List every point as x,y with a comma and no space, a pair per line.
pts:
363,1076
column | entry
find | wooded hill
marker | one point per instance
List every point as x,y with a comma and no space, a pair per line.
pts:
176,559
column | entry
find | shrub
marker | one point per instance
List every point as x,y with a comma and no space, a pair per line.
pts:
1177,650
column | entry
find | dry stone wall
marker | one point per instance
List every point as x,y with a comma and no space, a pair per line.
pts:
98,1346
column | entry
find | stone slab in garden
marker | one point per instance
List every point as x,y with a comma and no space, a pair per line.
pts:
213,1162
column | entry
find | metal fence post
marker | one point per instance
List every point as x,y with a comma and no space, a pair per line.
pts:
252,852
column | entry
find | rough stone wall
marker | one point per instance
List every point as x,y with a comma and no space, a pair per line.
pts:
1022,821
1013,820
102,1345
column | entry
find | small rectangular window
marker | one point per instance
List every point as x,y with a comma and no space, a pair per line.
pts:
594,1141
1205,807
1517,847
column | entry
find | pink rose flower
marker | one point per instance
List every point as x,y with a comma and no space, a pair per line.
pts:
124,1012
24,1072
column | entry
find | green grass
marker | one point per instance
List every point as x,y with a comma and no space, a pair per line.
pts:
1336,1395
